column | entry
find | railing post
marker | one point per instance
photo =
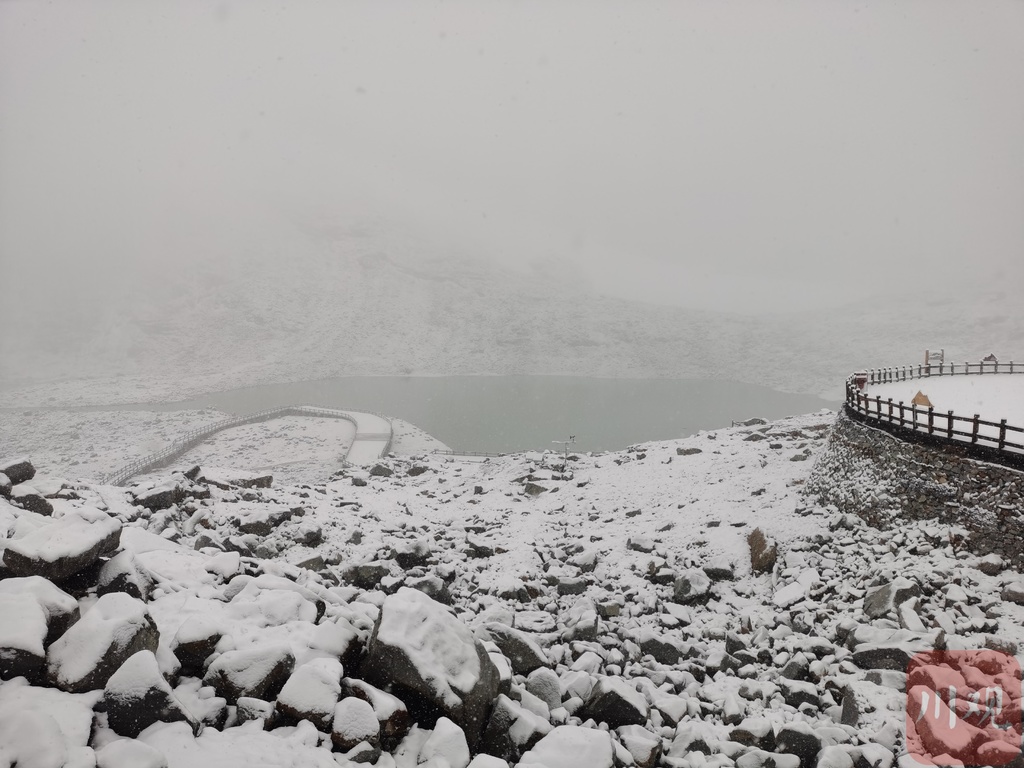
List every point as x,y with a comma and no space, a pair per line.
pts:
878,407
901,413
890,409
931,419
913,413
1002,434
974,430
949,429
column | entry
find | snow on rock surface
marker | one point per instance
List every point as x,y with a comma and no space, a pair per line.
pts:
63,547
571,747
419,645
115,628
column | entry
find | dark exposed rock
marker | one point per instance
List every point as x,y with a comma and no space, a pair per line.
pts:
763,552
614,702
27,497
688,451
522,651
881,600
379,470
798,739
195,642
18,470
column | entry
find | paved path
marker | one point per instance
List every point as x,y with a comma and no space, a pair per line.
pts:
372,439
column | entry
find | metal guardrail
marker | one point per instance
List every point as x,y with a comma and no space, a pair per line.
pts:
193,437
467,453
994,441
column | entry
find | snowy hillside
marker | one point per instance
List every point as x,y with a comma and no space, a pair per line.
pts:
678,604
351,303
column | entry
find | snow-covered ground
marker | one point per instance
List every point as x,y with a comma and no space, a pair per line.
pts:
85,444
616,588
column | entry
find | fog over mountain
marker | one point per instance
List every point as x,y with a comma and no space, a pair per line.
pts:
246,192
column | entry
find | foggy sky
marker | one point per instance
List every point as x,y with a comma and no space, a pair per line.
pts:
733,155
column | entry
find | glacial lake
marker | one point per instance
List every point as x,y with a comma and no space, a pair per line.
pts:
515,413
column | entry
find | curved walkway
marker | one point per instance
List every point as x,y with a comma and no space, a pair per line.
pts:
372,440
885,399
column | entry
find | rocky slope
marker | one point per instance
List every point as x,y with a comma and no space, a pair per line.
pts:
676,604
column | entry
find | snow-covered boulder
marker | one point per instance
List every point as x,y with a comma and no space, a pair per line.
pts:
446,746
692,586
312,692
123,573
522,651
195,641
61,609
22,632
258,672
116,627
512,730
28,497
571,747
391,712
64,547
136,696
353,721
418,646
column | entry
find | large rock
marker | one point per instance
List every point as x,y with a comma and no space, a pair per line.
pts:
259,672
60,608
353,722
27,497
123,573
64,547
312,692
136,696
418,646
763,552
391,712
878,602
195,642
522,651
18,470
571,747
22,632
615,702
692,586
512,730
115,628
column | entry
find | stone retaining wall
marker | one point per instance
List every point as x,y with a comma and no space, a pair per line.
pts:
870,473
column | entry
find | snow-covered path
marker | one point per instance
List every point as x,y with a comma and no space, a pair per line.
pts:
372,440
993,398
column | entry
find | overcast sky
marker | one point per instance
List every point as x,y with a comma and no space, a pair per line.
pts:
720,154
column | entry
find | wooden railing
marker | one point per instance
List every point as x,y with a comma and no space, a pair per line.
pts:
994,441
193,437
